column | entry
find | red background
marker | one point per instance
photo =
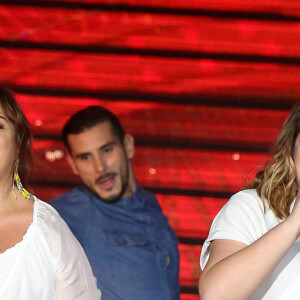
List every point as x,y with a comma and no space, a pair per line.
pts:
204,86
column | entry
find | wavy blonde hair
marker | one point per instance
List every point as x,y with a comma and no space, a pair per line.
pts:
276,184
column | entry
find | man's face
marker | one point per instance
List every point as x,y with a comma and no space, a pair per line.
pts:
103,162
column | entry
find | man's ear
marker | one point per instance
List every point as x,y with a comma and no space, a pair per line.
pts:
129,145
71,163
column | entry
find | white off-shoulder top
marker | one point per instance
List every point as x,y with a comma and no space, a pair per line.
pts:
48,264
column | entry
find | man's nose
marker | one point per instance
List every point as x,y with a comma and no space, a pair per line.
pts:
99,164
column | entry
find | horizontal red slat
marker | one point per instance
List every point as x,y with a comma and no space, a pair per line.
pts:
189,271
189,124
148,74
190,216
162,167
149,31
189,297
274,6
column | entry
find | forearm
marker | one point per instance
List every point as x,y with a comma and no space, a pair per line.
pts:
238,275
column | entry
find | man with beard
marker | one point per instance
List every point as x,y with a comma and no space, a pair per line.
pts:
130,245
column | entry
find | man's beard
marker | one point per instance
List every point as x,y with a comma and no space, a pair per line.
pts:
124,185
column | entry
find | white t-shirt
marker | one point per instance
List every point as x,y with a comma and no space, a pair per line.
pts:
243,219
48,264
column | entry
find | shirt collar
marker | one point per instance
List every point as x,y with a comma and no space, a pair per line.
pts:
135,201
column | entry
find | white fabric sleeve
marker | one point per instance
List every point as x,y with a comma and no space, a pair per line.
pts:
241,219
74,277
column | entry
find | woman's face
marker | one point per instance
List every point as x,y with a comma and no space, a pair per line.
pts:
7,147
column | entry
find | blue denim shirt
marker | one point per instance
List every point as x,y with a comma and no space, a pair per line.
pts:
130,245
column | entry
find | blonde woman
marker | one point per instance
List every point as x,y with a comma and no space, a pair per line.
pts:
252,251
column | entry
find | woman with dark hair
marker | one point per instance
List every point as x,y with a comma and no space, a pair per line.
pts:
40,258
252,251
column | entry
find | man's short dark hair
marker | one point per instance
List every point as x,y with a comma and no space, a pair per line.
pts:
88,118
